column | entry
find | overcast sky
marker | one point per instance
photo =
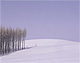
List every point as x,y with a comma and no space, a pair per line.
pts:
43,19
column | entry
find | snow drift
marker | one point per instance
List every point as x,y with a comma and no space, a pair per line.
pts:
45,51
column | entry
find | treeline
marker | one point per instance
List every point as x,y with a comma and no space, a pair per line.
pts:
11,39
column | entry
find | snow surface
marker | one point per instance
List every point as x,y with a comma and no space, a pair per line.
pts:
45,51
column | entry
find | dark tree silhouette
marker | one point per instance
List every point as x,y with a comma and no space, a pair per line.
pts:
11,39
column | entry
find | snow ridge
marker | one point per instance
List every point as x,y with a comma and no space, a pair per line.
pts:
45,51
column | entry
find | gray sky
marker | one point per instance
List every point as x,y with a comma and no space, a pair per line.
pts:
43,19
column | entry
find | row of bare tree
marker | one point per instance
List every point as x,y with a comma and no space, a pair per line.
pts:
11,39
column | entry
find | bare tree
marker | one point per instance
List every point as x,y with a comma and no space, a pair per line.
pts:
24,36
11,39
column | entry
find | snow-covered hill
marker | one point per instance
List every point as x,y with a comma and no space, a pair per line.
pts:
45,51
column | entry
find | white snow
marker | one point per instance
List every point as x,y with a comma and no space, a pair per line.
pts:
45,51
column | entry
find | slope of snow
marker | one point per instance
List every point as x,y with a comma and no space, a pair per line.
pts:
45,51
